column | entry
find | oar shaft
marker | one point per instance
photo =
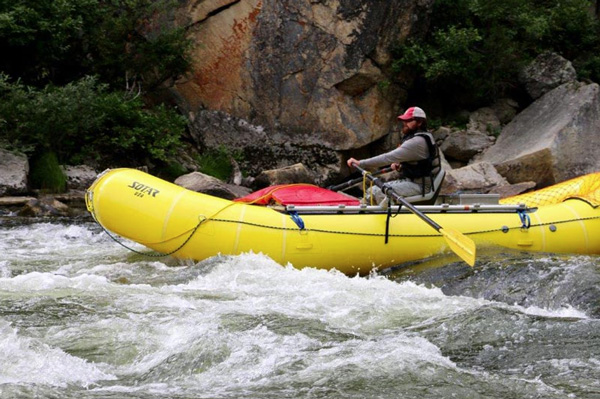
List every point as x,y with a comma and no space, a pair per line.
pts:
388,190
350,183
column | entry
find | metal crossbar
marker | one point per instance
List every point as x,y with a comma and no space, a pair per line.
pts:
443,208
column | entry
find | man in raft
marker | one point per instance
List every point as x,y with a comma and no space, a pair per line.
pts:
417,158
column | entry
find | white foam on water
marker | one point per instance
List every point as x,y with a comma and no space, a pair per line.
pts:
229,327
251,322
44,246
4,269
567,312
356,304
36,281
29,361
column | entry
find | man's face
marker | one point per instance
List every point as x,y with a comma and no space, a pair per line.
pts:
408,126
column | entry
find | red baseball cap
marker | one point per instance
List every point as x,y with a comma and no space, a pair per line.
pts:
411,113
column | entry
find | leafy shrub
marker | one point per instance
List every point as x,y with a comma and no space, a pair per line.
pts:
121,41
47,175
51,104
216,163
84,121
475,48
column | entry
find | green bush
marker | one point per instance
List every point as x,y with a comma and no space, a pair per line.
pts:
475,49
124,42
216,163
83,121
46,174
51,104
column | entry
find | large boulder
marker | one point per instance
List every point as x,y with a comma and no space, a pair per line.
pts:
206,184
547,71
308,70
297,173
554,139
480,177
14,169
462,145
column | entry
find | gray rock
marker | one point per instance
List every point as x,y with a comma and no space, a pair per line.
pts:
512,189
79,177
441,133
553,140
546,72
478,177
484,120
14,169
261,150
505,110
297,173
462,145
206,184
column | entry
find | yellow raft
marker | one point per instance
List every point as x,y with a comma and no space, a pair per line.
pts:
169,219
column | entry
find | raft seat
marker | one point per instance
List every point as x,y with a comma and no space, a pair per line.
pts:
431,197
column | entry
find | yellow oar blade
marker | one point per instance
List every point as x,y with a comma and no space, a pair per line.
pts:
462,245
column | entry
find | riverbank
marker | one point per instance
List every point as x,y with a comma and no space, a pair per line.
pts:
69,205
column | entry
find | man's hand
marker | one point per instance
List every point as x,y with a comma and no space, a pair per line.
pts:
352,161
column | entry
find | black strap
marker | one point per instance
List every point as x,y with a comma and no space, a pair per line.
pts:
387,221
389,216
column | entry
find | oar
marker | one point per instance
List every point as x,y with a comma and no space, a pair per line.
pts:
462,245
350,183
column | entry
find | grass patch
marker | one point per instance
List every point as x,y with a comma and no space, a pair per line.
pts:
47,175
216,162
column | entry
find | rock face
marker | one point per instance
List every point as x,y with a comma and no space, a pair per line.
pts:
308,70
554,139
13,173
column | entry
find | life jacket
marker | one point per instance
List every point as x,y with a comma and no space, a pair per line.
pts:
424,167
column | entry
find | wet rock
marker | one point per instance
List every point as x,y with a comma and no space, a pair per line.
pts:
14,201
46,206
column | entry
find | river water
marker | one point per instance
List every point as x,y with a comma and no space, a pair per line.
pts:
82,317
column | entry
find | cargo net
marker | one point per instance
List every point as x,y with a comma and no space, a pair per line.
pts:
586,188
